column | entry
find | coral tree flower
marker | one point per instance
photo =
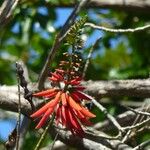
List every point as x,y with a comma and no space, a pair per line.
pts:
65,102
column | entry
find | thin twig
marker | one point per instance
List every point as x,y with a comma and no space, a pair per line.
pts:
6,10
89,57
52,145
19,112
135,121
142,145
96,133
146,27
110,117
59,38
138,112
138,125
44,133
139,131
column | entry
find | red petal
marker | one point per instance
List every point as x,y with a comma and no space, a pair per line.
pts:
58,76
57,99
44,93
75,97
42,110
80,88
82,95
58,115
52,103
50,96
79,78
44,118
63,116
86,122
87,113
74,121
63,98
74,82
60,70
79,114
73,104
52,78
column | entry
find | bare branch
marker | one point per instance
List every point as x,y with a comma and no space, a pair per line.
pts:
89,142
137,88
125,119
146,27
138,125
142,145
110,117
123,5
139,112
6,10
138,118
133,88
89,57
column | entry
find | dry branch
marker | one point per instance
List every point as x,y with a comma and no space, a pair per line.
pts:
89,142
125,5
124,119
138,29
133,88
6,11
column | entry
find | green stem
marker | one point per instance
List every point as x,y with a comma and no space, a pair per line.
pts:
44,133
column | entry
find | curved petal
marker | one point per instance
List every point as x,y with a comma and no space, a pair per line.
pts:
51,95
44,93
63,116
58,115
52,103
87,113
73,104
44,118
75,97
86,122
80,88
63,98
82,95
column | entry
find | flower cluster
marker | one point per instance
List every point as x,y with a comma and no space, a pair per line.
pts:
66,98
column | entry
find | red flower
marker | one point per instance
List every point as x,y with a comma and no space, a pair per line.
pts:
65,101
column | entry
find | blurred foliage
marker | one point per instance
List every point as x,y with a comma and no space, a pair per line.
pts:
31,33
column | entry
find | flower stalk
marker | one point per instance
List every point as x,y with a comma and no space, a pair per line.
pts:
65,97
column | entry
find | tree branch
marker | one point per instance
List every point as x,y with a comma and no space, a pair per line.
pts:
133,88
125,5
138,29
6,10
89,141
125,119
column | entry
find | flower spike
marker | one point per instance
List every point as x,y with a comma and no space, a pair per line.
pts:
65,98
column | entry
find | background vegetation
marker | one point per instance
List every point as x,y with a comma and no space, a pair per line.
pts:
30,34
